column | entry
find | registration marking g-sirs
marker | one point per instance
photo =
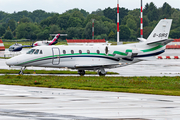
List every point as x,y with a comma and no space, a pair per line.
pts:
160,35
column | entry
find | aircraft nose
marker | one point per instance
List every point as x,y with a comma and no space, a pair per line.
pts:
11,62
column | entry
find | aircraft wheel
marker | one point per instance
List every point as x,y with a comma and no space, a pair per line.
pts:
101,74
81,72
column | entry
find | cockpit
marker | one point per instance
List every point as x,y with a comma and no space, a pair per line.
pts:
35,51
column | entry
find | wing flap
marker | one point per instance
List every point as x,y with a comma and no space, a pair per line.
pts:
95,65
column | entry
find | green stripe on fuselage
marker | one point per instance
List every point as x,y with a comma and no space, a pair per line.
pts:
119,53
152,49
101,54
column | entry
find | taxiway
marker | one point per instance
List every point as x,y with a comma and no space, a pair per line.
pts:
22,103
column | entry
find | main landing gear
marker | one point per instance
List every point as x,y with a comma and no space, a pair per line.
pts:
22,69
81,72
101,72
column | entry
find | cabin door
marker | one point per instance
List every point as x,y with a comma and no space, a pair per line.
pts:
56,56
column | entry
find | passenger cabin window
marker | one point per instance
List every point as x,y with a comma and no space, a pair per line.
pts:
37,51
98,52
88,51
80,51
40,52
72,51
30,51
64,51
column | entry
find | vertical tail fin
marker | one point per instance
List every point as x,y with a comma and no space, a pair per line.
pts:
160,32
54,41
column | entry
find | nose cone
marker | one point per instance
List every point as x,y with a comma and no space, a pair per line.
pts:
12,62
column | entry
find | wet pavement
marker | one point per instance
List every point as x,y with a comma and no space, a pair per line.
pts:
22,103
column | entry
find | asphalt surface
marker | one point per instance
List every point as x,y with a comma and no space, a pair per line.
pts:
24,103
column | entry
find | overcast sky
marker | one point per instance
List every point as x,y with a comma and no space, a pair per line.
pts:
60,6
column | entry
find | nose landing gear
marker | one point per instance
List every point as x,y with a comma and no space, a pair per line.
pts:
101,72
21,71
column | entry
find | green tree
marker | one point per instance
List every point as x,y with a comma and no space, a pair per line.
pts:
166,9
131,24
98,12
54,29
63,21
74,22
44,35
12,24
27,30
25,20
2,30
111,35
175,33
125,32
152,12
8,35
176,19
99,28
75,32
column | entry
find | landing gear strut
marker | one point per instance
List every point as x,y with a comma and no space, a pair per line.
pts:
81,72
22,69
101,72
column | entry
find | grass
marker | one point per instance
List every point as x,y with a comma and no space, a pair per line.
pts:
5,71
5,57
145,85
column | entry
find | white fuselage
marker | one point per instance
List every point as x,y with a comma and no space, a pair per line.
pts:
85,57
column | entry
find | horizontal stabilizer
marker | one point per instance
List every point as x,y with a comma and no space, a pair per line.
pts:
142,39
161,42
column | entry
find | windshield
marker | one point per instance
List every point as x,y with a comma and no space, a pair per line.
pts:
30,51
37,51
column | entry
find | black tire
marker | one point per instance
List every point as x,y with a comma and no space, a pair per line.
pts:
81,72
100,74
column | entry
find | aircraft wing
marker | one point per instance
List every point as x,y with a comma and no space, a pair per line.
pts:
147,58
96,65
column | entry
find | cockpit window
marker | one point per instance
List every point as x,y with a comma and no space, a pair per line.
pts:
41,52
30,51
37,51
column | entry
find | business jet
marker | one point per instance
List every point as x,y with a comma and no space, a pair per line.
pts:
96,57
18,47
46,43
